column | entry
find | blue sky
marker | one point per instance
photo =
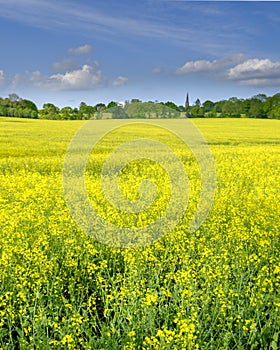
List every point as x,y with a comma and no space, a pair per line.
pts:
68,51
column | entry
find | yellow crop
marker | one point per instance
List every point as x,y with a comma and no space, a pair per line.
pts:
214,288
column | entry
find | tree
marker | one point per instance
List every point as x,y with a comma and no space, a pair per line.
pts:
99,106
261,97
119,113
275,112
171,105
135,100
86,112
66,113
255,109
31,110
14,106
14,97
219,106
29,104
246,106
197,112
181,108
49,111
3,110
233,107
112,104
208,106
227,108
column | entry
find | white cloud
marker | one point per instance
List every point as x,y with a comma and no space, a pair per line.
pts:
197,66
120,81
84,78
27,79
253,72
81,50
209,66
252,69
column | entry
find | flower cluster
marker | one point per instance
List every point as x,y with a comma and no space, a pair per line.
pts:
215,288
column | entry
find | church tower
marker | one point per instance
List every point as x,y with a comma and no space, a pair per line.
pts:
187,103
187,106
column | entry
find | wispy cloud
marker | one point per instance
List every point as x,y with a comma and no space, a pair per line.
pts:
68,15
120,81
81,50
70,61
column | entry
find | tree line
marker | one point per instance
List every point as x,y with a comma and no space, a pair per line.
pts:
258,106
14,106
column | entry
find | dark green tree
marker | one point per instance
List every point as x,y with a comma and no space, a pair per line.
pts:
49,111
112,104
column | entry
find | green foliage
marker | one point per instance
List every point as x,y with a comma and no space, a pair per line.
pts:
275,112
259,106
172,105
14,106
86,112
197,112
112,104
49,111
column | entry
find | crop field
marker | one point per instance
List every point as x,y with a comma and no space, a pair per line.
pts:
214,287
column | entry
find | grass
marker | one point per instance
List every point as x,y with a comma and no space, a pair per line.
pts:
215,288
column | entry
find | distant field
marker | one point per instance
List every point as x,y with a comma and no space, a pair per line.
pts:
215,288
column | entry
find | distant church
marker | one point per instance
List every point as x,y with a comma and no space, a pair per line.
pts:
187,103
187,106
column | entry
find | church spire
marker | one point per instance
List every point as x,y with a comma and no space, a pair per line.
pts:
187,103
187,106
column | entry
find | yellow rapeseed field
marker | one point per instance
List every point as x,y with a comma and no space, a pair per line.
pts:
214,288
